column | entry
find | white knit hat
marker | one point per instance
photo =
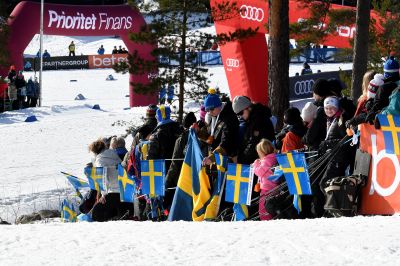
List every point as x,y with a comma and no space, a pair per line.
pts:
374,85
331,101
309,112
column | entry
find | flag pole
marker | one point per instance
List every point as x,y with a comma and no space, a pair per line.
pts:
41,52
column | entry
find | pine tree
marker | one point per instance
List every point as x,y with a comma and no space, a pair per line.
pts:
174,30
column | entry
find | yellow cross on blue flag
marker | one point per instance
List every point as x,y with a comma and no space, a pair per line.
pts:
390,126
77,183
68,213
192,195
153,174
126,185
294,168
95,177
239,182
222,163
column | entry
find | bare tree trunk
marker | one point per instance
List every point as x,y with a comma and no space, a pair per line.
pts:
278,60
361,40
182,63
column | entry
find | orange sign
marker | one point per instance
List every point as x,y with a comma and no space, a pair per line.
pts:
106,61
381,195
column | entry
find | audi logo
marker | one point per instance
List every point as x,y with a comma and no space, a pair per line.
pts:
231,62
303,87
252,13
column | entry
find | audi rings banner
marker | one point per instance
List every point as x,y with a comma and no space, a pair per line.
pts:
301,86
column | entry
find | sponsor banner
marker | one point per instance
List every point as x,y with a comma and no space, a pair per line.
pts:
106,61
300,87
382,193
56,63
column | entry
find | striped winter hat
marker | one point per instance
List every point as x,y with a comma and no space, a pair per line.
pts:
374,85
163,113
391,67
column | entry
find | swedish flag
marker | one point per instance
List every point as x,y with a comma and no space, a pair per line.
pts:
153,175
95,177
239,183
68,213
222,163
294,168
241,212
192,195
77,183
126,185
390,126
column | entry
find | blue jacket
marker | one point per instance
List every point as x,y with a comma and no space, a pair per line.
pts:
100,51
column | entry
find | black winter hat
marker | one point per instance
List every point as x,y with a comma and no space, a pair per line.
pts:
292,116
335,86
321,87
188,120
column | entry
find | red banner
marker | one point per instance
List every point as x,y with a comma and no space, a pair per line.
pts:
246,62
382,192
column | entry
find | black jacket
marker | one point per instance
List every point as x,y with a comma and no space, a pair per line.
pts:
162,141
226,132
317,132
259,126
382,98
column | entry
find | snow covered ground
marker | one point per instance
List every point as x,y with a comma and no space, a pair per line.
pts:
33,154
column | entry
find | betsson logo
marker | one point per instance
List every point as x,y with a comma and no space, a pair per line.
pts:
82,22
105,61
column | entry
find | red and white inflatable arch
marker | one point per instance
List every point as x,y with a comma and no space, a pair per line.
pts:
246,62
76,20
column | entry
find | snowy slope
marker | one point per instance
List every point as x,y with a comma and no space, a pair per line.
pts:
33,154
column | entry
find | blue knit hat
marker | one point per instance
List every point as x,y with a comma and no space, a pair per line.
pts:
212,100
391,67
163,113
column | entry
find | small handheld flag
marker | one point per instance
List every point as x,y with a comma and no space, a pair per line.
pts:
77,183
126,185
222,163
239,183
390,126
153,173
95,177
68,213
294,168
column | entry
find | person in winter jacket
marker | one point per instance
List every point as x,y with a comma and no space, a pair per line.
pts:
393,107
368,76
347,105
171,179
71,49
109,204
118,145
223,129
162,140
373,86
12,89
317,131
262,168
258,126
290,137
20,84
306,69
101,50
381,100
335,132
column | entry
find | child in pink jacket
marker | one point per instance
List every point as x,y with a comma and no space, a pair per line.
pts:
262,168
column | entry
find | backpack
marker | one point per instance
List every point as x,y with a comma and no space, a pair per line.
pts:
341,194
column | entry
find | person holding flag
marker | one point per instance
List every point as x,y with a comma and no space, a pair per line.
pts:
263,169
109,205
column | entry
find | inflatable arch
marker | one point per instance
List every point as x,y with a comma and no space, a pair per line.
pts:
246,62
76,20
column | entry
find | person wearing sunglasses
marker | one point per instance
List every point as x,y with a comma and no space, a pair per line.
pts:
224,128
